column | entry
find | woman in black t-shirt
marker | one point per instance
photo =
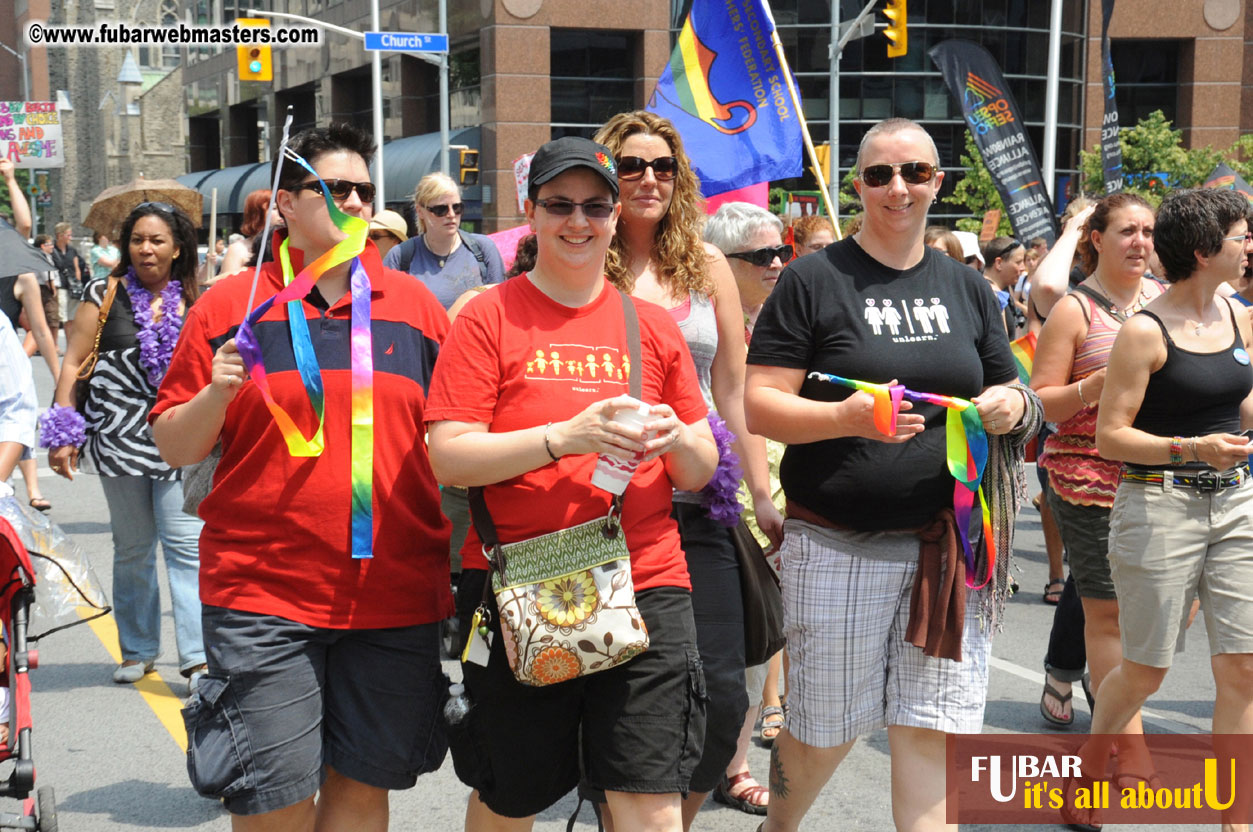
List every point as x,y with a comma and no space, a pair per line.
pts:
1176,395
881,307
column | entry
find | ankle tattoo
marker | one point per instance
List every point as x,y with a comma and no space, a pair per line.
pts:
778,782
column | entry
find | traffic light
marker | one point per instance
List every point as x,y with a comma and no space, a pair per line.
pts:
468,166
254,59
898,37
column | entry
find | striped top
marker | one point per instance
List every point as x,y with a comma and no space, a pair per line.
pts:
119,441
1076,472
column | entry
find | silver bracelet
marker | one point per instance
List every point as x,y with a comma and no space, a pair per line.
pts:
1079,389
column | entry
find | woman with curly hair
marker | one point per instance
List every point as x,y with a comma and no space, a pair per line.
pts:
657,255
143,305
812,233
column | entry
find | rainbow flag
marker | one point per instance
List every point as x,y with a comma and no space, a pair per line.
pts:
725,92
1024,355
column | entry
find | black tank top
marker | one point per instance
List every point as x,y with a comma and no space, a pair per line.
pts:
1196,393
9,304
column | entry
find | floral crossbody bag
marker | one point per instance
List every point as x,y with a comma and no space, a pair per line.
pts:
566,599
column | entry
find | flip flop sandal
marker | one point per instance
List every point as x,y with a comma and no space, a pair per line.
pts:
40,504
1049,690
1053,591
749,800
771,720
1070,814
1086,681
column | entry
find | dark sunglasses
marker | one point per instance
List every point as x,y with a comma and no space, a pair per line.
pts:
340,189
160,206
442,210
764,256
664,168
1003,252
914,173
564,208
378,236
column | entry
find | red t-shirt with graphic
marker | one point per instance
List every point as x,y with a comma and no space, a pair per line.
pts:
516,359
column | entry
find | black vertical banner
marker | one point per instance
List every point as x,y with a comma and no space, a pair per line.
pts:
1111,148
995,121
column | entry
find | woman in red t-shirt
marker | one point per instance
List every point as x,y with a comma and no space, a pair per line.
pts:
522,402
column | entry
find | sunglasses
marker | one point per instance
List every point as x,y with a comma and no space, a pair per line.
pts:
564,208
1003,252
160,206
442,210
764,256
914,173
378,236
631,168
340,189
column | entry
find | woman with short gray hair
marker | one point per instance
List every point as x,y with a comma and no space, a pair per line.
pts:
752,240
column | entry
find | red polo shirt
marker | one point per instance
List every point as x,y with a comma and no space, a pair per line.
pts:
277,537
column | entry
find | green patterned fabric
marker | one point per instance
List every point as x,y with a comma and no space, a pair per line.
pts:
567,604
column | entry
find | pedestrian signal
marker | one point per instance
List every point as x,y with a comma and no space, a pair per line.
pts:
468,166
898,37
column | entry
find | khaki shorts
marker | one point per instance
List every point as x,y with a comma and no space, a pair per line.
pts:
1169,544
67,305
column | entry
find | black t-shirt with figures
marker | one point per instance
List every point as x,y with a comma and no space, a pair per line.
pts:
935,327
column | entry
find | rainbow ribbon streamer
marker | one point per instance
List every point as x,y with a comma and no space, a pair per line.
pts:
294,291
1024,355
966,448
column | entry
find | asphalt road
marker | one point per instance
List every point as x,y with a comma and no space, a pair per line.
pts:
116,765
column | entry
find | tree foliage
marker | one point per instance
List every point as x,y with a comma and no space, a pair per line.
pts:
1155,161
976,192
23,179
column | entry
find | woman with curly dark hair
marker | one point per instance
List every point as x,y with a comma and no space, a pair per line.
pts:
658,255
142,305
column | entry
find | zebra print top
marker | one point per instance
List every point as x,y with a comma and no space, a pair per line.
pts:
119,441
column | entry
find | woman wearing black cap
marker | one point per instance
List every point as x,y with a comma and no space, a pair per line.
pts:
524,398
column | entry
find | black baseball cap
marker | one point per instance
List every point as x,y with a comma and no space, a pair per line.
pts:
560,155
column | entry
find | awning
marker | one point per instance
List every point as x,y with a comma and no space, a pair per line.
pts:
407,160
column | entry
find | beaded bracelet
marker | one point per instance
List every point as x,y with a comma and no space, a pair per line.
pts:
1176,450
60,426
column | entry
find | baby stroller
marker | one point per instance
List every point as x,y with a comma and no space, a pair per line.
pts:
17,593
35,550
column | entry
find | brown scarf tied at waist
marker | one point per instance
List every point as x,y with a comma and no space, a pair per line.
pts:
937,603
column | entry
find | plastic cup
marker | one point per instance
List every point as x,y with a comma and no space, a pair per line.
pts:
612,473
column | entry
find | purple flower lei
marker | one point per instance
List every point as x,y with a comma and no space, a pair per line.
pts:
60,426
156,340
719,497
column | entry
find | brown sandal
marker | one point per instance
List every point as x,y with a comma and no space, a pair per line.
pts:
749,800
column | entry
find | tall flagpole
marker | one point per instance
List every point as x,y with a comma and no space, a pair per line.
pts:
800,116
1050,99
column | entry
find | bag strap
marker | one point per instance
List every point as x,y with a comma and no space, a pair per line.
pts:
1106,304
484,526
406,254
89,363
477,250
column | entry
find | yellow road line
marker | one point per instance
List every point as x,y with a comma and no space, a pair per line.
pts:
163,701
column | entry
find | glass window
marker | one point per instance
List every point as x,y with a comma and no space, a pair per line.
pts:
592,78
1146,78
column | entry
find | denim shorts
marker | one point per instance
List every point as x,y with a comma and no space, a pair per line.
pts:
639,726
283,700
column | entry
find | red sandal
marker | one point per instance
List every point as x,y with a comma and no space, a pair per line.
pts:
750,800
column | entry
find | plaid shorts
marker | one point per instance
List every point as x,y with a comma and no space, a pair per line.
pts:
851,669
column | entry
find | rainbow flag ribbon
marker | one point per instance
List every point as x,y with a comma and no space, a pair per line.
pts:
1023,350
293,293
966,445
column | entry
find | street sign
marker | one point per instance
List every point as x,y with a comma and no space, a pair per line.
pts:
405,42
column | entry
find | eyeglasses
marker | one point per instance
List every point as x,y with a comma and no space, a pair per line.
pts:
631,168
815,246
340,189
160,206
1248,235
914,173
564,208
764,256
442,210
378,236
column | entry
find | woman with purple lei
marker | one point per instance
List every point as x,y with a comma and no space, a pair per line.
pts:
151,287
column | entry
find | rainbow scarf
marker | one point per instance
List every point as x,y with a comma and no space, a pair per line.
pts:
966,449
293,292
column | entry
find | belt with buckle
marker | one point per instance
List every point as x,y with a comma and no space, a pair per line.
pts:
1203,480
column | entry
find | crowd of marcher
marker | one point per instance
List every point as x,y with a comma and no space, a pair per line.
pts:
568,459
